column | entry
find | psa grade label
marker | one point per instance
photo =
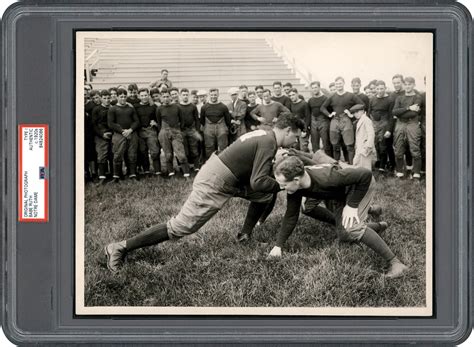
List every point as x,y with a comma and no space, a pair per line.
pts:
33,173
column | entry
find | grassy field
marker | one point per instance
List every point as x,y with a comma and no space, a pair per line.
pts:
210,268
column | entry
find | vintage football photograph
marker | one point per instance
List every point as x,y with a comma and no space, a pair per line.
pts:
254,173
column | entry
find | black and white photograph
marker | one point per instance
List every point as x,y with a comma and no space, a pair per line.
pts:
254,173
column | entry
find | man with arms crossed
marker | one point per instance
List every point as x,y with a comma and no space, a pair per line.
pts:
244,170
123,120
215,118
341,119
407,133
300,109
319,121
348,191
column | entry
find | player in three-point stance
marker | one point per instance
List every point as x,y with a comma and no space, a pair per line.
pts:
243,170
348,193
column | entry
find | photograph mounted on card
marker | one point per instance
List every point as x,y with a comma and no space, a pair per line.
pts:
254,173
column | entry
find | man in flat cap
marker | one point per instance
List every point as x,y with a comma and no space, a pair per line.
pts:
364,138
237,109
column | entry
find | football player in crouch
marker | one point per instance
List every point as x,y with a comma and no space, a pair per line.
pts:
243,170
348,191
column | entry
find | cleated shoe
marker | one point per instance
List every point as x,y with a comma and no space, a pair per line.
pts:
243,237
115,253
396,269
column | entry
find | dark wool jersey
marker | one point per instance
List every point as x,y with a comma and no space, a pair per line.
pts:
214,113
283,99
113,102
170,115
301,110
328,182
89,107
190,116
99,120
315,104
249,121
250,158
365,99
133,101
400,108
146,113
124,117
269,112
381,108
247,101
339,103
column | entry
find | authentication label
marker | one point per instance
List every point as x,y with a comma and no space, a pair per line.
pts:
33,173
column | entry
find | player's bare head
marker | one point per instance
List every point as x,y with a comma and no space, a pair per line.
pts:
287,129
315,87
113,93
355,84
243,89
174,93
398,82
252,96
287,87
122,96
184,92
332,87
380,88
94,94
155,94
105,97
144,95
409,84
165,97
164,73
213,94
288,172
267,96
293,94
277,88
339,84
133,89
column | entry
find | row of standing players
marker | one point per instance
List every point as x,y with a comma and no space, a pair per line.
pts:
131,126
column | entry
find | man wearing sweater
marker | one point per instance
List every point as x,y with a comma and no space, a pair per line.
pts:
103,134
319,121
170,123
301,110
380,112
407,134
147,133
348,192
268,112
250,123
278,95
341,119
356,84
190,128
243,170
216,120
123,120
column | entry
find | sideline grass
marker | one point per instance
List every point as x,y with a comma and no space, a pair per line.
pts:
210,269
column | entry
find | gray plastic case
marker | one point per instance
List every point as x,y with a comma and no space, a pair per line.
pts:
38,87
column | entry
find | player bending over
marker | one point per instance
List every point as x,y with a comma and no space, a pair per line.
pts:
243,170
348,193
